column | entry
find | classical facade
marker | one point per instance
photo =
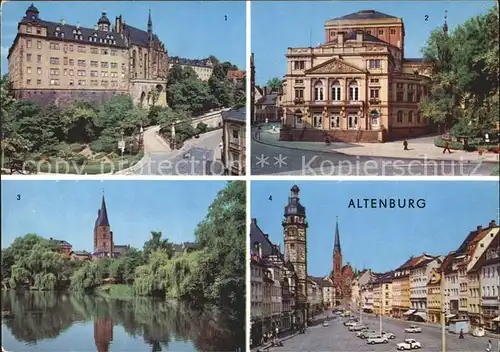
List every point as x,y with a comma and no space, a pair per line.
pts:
342,275
234,141
295,239
202,67
55,62
357,86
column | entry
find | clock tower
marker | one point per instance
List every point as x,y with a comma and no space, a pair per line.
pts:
295,239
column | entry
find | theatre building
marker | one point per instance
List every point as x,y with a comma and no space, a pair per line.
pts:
357,86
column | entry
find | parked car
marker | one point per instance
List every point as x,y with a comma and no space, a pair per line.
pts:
351,323
325,323
366,333
408,344
357,328
389,335
413,329
375,339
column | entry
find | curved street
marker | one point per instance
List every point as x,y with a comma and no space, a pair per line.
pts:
269,158
337,338
198,156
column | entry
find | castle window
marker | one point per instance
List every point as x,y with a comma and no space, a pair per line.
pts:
58,29
399,116
380,32
39,44
353,91
38,31
393,31
28,29
62,34
95,34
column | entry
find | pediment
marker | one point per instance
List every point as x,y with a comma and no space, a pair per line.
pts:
335,66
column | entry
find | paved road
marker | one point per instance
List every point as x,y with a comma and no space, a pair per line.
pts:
268,159
336,338
199,156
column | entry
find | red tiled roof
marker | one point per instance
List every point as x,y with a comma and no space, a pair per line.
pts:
236,74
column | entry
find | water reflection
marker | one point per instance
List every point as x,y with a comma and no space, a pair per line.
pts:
153,325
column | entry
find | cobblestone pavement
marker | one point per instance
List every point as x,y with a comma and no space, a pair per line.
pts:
268,159
336,338
199,156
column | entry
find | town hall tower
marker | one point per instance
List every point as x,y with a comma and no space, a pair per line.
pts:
295,239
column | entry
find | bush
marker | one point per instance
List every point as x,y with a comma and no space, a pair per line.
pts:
97,146
202,127
439,142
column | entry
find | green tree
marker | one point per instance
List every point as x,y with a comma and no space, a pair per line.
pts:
274,83
156,243
222,234
87,278
219,86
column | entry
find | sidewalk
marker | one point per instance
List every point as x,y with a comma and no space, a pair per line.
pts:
419,148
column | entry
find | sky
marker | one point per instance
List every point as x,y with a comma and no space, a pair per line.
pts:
67,210
190,29
377,239
281,24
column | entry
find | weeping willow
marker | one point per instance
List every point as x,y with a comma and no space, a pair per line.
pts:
178,277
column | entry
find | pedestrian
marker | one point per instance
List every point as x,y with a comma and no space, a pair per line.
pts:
488,346
277,331
405,145
461,336
446,147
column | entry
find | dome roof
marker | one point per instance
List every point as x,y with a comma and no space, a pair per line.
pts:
104,19
32,8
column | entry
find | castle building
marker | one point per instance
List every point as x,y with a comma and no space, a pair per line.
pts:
203,67
104,246
55,62
295,252
342,275
357,86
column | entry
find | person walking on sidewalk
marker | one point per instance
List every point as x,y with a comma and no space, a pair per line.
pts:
446,147
405,145
488,346
461,336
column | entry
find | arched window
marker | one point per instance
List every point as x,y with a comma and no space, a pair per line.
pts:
410,116
353,91
399,116
336,91
318,91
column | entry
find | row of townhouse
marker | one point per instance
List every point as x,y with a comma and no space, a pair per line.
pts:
462,285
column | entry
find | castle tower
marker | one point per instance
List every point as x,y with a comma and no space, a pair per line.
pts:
150,27
295,238
103,236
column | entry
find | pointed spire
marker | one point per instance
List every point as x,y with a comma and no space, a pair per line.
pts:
150,26
102,219
336,246
445,25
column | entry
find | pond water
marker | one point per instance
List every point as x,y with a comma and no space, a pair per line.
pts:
45,321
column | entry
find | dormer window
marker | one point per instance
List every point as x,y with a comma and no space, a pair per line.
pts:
114,41
95,34
90,39
100,40
58,29
74,31
81,37
62,34
111,37
56,34
79,32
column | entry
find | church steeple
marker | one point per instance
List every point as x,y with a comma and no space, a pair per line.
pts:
150,26
336,245
102,214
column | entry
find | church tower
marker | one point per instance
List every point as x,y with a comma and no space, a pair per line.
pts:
295,238
337,258
103,236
